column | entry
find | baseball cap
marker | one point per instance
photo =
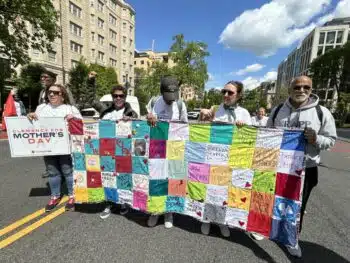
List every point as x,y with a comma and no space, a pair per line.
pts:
169,87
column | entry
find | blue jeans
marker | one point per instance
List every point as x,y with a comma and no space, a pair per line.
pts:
58,166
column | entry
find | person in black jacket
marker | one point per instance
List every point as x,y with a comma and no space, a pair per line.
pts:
120,110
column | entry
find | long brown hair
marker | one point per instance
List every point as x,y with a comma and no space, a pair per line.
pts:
63,91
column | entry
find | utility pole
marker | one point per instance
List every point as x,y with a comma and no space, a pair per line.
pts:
62,49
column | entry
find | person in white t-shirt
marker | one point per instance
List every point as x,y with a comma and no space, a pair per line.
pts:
59,165
260,119
228,112
167,107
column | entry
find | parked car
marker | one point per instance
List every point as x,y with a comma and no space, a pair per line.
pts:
193,115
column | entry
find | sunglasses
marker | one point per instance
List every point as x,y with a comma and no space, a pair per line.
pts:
54,92
304,87
224,91
115,96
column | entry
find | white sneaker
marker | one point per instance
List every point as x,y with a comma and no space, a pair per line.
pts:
294,251
106,213
152,220
225,231
205,228
256,236
168,220
124,209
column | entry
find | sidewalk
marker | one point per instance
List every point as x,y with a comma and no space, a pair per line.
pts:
3,135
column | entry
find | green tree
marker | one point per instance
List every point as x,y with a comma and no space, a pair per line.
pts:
78,77
251,100
16,17
280,96
106,78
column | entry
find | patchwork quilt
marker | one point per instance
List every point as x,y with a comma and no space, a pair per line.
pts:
244,177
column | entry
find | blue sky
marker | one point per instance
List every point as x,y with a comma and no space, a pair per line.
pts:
255,35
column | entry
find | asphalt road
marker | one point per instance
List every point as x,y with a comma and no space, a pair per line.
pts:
345,133
82,236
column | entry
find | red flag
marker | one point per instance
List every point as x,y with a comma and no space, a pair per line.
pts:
9,109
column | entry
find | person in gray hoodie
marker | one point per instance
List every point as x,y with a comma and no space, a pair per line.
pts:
302,110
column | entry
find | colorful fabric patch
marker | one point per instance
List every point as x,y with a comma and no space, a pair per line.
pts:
111,194
236,218
220,175
269,138
217,154
284,232
285,209
140,130
175,204
293,140
125,196
214,213
194,152
242,178
93,163
241,157
262,203
94,179
157,149
96,195
245,137
175,150
123,164
160,131
196,191
177,169
91,130
239,198
81,195
198,172
140,147
79,161
158,169
264,182
200,132
177,187
140,200
109,180
92,146
156,204
80,179
221,133
124,182
194,209
107,163
217,195
107,146
140,165
179,131
107,129
259,223
123,147
158,187
123,129
140,183
266,159
288,186
291,162
78,144
75,126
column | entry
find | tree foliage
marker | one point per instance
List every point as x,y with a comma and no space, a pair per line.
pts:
16,18
280,96
106,78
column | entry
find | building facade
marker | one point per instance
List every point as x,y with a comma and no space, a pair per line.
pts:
267,92
333,34
100,31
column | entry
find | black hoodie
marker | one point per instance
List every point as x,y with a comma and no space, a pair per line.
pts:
128,111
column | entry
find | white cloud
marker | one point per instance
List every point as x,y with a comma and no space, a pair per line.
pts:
251,68
274,25
251,83
210,77
342,9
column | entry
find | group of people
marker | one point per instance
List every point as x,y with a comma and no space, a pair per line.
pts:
300,110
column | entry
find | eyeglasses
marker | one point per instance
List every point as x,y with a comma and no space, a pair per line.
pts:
115,96
224,91
304,87
54,92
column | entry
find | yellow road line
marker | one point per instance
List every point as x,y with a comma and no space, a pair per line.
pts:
26,219
30,228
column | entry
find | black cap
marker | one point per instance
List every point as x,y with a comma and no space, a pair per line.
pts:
169,87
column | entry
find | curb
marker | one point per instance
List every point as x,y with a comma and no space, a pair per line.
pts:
343,139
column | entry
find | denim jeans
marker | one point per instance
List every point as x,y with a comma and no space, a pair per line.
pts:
58,166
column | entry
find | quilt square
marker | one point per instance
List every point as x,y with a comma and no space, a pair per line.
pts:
236,218
92,146
286,209
156,204
140,183
123,129
262,203
75,126
264,182
284,232
217,195
124,182
125,196
179,131
194,152
91,130
80,179
158,169
221,133
157,149
239,198
266,159
196,191
177,169
77,142
198,172
259,223
194,209
214,213
111,194
123,147
140,165
158,187
269,138
107,163
79,161
293,141
93,163
288,186
94,180
242,178
175,204
177,187
217,154
140,147
245,137
140,130
291,162
81,195
160,131
109,180
140,200
241,157
200,133
96,195
123,164
107,146
175,150
107,129
220,175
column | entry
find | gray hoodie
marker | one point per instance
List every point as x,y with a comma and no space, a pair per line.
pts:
306,116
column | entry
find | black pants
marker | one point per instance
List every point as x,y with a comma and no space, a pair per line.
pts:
311,180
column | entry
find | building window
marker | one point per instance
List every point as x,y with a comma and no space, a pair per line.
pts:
91,3
142,62
320,51
340,37
74,9
131,28
130,43
112,20
112,62
112,34
101,55
130,79
112,4
52,56
74,63
100,23
130,68
112,49
129,91
124,79
75,47
124,40
93,36
124,52
124,65
75,29
330,38
124,25
134,62
100,6
92,53
328,48
100,40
